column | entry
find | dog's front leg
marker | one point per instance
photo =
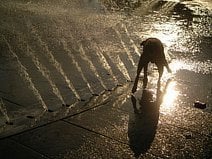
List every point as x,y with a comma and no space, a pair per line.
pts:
137,78
142,63
135,84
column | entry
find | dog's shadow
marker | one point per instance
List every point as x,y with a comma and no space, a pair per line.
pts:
143,123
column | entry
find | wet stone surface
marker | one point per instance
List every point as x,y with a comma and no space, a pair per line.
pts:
11,149
67,65
149,130
114,129
63,140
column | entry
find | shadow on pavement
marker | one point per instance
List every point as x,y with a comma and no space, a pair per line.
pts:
143,123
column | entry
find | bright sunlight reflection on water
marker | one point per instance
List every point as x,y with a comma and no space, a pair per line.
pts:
169,98
167,33
204,67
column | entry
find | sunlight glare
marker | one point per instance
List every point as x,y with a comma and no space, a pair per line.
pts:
176,65
169,98
168,33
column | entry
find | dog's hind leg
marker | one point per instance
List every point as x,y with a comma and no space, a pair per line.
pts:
145,80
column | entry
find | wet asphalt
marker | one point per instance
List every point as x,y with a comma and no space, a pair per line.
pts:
67,70
118,124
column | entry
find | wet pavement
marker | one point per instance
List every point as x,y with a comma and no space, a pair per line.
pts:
66,72
119,125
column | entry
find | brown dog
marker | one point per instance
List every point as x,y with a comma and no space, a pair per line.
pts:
153,51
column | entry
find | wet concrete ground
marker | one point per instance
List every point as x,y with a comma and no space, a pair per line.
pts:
57,56
111,127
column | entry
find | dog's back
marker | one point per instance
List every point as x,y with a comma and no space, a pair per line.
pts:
153,50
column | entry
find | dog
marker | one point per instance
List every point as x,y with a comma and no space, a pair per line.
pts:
153,51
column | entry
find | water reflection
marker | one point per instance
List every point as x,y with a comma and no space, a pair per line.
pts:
168,33
204,67
169,98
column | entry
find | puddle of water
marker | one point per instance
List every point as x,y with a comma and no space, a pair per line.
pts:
191,65
170,96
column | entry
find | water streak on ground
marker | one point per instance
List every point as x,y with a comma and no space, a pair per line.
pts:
24,74
125,47
131,41
55,63
44,71
74,61
92,67
167,7
104,61
3,109
121,66
41,68
70,53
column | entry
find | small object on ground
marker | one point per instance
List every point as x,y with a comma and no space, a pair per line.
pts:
9,123
188,136
82,100
129,80
65,105
50,111
30,116
95,94
199,105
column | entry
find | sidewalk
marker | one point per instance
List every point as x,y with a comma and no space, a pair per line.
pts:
109,127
